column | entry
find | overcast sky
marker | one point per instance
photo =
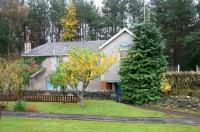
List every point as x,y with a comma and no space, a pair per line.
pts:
97,2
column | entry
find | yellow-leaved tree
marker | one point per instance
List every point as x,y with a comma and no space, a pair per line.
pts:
82,66
69,24
11,80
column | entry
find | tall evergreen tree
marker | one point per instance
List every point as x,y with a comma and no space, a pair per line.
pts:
135,11
4,37
57,10
192,42
38,21
175,18
13,14
89,20
94,22
142,70
115,16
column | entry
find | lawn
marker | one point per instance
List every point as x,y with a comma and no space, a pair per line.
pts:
94,107
50,125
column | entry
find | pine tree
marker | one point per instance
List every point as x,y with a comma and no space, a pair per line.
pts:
69,24
38,21
4,37
114,12
94,22
89,20
135,11
192,42
175,18
56,12
142,70
13,16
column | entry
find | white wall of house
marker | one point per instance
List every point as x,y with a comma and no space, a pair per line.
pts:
125,40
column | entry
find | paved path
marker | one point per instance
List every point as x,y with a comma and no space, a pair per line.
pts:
187,121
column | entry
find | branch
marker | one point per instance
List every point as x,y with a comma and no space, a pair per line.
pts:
75,89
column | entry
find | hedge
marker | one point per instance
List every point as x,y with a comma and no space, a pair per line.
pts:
184,82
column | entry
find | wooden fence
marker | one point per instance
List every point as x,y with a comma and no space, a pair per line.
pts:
41,98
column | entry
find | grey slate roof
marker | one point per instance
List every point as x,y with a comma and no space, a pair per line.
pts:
61,48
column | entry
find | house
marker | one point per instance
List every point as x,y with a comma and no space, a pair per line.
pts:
118,44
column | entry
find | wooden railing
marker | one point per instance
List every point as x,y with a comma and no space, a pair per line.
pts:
41,98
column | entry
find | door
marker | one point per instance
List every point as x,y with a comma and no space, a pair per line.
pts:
118,92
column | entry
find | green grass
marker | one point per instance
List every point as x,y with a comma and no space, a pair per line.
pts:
50,125
94,107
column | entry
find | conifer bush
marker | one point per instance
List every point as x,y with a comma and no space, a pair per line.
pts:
141,71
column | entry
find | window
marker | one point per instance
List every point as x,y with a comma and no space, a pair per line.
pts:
122,53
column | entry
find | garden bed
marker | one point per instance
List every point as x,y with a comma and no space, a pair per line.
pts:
182,103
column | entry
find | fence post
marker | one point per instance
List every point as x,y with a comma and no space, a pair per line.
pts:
197,68
178,66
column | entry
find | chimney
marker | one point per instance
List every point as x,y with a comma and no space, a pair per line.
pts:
27,45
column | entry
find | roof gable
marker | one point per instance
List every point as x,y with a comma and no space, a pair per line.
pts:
115,36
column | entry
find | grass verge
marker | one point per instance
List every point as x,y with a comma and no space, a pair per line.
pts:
51,125
95,107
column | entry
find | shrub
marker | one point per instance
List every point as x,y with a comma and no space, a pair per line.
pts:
184,83
183,80
10,76
29,66
165,86
20,105
142,70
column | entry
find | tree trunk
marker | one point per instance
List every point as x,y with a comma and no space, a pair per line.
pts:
81,99
63,91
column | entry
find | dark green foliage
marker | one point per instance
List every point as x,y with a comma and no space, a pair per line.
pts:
175,17
90,20
95,22
57,10
39,59
192,42
38,22
115,16
136,11
4,37
20,105
29,66
142,70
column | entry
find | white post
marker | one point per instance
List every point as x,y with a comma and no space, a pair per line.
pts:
197,68
178,66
